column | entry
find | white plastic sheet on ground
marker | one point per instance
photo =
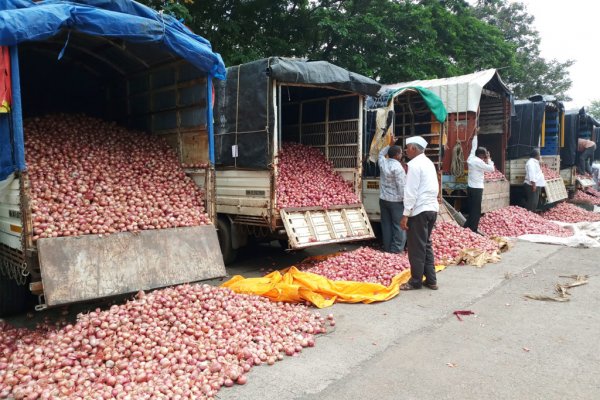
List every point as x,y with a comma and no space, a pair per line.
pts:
586,234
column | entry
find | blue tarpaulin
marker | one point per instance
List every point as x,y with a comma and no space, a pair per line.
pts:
27,21
22,21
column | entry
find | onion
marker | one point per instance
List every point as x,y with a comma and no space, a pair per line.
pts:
515,221
155,346
306,179
364,264
565,212
448,240
88,176
495,176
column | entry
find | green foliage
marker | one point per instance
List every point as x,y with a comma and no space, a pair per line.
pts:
177,8
594,109
389,40
531,73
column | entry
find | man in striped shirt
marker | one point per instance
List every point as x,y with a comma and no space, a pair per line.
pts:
391,195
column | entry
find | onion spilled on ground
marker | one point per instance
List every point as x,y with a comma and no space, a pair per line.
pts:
515,221
566,212
185,342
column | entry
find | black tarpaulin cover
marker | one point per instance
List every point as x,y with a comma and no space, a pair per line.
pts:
244,106
526,128
568,153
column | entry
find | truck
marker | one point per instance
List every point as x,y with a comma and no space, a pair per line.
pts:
131,65
478,101
540,122
403,111
263,104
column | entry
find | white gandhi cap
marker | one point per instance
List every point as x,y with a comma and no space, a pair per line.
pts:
417,140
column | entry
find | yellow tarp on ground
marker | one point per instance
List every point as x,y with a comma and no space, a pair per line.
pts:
297,286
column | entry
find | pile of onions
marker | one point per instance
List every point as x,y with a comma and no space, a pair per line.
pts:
583,197
592,191
549,173
364,264
565,212
89,176
307,179
515,221
450,239
178,343
495,176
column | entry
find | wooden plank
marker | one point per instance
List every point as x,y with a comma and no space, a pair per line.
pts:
95,266
194,147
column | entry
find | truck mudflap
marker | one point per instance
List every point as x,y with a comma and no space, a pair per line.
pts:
95,266
314,226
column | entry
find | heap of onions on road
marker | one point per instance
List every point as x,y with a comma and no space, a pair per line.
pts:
515,221
307,179
364,264
89,176
448,240
586,198
185,342
566,212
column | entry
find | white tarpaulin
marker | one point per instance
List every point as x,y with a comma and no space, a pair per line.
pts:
586,234
458,93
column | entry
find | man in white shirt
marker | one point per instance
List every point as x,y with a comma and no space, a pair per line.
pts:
534,181
391,193
420,212
479,163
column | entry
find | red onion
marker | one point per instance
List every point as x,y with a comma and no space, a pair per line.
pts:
364,264
449,240
494,176
549,173
184,342
306,179
586,198
515,221
565,212
88,176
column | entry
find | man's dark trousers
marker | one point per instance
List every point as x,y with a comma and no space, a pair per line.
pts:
475,197
420,252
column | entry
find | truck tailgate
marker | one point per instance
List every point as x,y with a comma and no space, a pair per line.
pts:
94,266
313,226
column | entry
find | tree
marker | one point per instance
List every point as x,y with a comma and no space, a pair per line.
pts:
531,73
594,109
391,41
177,8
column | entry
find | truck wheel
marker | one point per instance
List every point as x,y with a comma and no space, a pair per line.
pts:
14,299
224,235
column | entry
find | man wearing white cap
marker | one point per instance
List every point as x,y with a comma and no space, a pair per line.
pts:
420,212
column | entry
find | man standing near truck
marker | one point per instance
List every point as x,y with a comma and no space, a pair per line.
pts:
479,163
585,149
391,194
534,180
420,212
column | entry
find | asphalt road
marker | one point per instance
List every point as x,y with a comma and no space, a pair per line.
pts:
413,347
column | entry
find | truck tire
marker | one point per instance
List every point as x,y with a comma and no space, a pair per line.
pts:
14,299
224,235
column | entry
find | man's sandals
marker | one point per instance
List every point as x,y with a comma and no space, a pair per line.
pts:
408,286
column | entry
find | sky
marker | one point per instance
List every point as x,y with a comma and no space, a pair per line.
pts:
568,30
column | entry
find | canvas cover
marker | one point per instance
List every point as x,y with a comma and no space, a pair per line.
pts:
244,113
525,127
459,93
